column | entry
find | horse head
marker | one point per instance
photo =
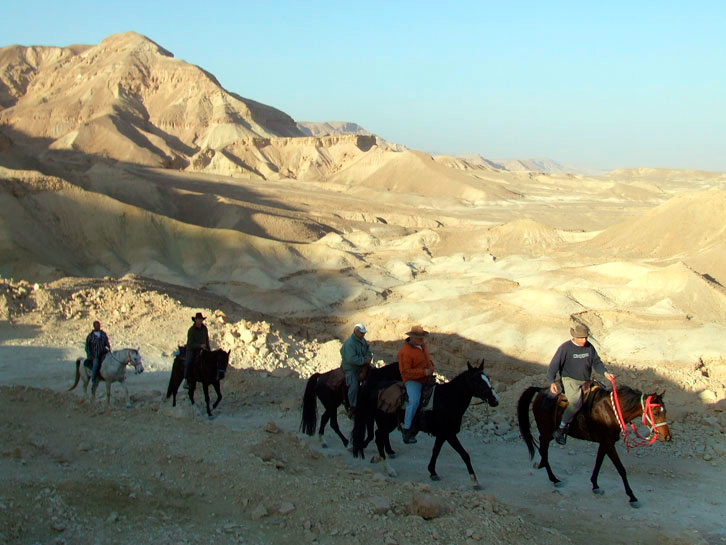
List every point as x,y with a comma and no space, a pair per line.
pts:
654,415
222,362
480,384
135,360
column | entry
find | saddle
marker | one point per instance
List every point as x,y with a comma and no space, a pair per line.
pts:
391,398
588,388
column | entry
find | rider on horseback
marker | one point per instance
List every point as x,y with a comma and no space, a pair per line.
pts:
197,338
96,347
574,360
417,369
354,353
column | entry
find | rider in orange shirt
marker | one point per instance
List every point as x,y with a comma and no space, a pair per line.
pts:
416,369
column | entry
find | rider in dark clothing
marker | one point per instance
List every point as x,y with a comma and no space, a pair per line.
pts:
574,360
197,338
96,347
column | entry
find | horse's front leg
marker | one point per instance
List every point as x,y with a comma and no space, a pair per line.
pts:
190,392
126,389
458,447
205,387
613,455
108,393
596,470
218,391
438,443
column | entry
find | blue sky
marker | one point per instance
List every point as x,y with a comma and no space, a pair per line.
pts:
607,85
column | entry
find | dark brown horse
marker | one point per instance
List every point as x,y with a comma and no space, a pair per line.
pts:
331,390
443,421
209,368
596,422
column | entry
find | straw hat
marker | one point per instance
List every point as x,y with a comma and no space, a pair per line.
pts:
580,331
417,331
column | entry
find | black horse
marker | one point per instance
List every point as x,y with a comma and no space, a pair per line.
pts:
331,390
209,368
443,421
596,422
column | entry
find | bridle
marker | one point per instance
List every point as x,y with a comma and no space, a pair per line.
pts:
647,405
129,360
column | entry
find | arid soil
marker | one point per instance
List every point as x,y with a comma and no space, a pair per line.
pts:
77,472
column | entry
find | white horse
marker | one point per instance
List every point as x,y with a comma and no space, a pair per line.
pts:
112,369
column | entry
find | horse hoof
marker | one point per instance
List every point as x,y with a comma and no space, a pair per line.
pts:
477,486
635,504
435,478
598,491
559,484
392,454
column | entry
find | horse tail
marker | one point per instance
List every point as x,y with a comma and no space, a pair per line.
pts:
78,373
309,420
364,412
177,368
523,417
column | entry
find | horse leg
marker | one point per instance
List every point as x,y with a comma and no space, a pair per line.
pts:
334,425
438,443
321,431
389,449
613,455
544,445
108,392
190,392
126,389
596,470
458,447
218,391
205,387
382,434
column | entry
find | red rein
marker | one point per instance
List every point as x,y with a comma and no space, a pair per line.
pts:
647,421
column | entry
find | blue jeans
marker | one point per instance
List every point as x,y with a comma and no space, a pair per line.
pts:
413,389
94,369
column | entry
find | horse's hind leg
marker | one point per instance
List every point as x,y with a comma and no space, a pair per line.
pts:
544,445
334,425
596,470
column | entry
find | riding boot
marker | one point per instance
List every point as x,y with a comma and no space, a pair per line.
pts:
560,435
409,436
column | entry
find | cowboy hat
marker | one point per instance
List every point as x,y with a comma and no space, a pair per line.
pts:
198,315
417,331
580,331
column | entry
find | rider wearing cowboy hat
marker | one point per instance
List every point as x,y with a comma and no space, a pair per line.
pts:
416,369
197,338
574,360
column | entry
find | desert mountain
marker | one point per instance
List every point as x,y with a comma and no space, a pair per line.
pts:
127,99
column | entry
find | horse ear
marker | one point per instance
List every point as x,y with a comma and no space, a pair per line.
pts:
469,366
481,365
662,393
138,348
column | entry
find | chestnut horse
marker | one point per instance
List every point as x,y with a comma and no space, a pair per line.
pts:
596,422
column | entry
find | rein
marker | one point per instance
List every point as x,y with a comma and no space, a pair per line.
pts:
646,404
129,360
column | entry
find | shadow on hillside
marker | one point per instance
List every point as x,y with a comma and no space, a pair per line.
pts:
208,200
